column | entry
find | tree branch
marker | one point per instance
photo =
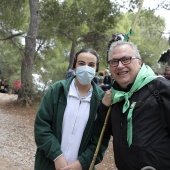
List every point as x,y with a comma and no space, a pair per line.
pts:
12,36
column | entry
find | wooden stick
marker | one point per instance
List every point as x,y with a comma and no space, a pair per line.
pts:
137,15
100,139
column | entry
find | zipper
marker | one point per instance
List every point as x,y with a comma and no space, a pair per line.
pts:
88,136
74,126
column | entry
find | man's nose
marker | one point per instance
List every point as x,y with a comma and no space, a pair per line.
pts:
120,64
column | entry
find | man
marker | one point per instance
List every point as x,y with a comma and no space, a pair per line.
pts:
107,80
167,72
67,128
4,87
114,38
140,111
70,73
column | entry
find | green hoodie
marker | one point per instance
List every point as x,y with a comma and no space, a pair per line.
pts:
48,127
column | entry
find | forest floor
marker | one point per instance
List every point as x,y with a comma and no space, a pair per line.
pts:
17,146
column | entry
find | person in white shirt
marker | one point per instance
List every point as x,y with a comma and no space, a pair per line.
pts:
67,127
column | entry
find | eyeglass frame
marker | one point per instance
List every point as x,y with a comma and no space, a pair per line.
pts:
117,60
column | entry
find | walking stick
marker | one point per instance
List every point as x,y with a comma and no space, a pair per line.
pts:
100,140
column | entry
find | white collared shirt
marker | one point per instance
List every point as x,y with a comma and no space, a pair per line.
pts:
74,122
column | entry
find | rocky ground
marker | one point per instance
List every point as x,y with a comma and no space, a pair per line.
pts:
17,146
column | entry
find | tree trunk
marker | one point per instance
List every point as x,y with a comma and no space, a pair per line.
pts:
26,93
72,54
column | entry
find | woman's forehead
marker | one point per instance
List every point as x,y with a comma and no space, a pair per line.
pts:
87,57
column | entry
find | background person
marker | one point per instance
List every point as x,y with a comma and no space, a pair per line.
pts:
166,74
67,127
107,80
96,79
140,111
4,87
16,86
70,73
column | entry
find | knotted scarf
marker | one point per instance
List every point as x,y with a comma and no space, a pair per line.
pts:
144,76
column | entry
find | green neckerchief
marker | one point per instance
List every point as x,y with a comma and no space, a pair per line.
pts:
144,76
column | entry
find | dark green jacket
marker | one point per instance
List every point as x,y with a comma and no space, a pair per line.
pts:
48,127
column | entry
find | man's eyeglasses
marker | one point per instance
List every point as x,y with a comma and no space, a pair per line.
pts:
124,61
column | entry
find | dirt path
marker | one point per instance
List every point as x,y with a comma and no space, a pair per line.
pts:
17,146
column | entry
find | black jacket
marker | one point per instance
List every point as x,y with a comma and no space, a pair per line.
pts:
151,129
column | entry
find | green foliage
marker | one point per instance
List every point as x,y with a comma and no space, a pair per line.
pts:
164,4
14,14
74,19
78,22
87,23
13,18
52,63
151,42
10,62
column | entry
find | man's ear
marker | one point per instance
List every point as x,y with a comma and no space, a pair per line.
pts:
140,62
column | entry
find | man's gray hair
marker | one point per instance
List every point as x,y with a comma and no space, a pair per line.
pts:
118,43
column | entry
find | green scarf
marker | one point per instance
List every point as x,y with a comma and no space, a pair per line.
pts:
144,76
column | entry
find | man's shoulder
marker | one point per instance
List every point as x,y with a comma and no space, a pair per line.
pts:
161,80
160,84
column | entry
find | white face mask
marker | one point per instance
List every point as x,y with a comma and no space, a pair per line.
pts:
85,74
